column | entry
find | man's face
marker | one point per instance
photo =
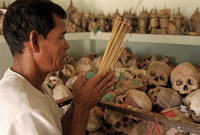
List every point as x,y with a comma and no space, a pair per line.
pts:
54,47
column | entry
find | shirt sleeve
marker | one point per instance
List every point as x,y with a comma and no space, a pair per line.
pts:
33,123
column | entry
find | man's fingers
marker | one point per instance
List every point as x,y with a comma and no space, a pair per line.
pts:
98,78
109,78
108,90
81,80
108,87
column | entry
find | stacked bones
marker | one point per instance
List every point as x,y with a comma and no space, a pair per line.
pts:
150,85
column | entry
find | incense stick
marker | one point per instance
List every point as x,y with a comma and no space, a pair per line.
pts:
114,47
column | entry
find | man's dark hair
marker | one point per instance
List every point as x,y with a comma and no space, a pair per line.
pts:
23,16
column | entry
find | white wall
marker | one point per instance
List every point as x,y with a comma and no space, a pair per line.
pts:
187,7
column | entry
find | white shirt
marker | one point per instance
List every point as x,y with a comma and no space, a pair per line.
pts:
24,110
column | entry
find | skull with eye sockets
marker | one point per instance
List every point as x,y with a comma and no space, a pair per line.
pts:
184,78
165,97
158,73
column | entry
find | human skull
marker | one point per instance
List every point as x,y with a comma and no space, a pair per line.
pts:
93,56
119,122
184,78
147,61
129,60
61,91
126,52
158,73
136,98
69,70
124,85
192,100
165,97
54,81
84,64
118,64
95,119
53,73
143,128
70,60
139,75
96,63
126,71
166,60
71,81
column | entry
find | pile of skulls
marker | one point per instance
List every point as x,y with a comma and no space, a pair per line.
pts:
150,85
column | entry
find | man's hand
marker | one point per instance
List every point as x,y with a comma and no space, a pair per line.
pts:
87,93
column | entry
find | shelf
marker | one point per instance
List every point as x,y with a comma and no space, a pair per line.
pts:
142,38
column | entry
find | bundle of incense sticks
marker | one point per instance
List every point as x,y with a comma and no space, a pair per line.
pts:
114,47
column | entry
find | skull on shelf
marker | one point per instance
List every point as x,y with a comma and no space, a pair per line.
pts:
76,18
84,20
192,100
70,27
84,64
158,73
92,25
165,97
184,78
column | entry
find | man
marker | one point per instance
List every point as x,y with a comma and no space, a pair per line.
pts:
34,31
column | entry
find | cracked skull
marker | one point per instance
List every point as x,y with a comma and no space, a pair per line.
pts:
184,78
136,98
158,73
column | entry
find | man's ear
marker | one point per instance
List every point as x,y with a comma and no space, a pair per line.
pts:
34,40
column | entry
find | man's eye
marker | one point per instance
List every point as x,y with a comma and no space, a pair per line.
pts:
61,37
